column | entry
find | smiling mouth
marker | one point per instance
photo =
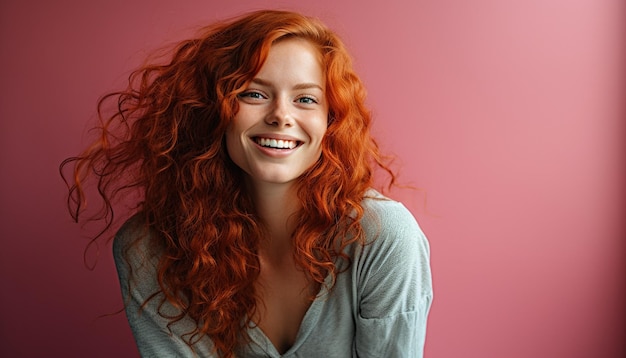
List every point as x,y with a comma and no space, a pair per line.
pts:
276,143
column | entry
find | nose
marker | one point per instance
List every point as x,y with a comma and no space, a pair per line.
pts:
280,114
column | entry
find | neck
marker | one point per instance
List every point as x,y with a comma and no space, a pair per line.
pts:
276,204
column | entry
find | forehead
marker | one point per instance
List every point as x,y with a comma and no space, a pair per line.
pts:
293,58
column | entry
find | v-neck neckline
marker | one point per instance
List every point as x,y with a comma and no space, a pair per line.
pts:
308,324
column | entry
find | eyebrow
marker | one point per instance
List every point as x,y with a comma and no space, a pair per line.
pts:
299,86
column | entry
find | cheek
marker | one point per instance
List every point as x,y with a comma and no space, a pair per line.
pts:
323,134
319,132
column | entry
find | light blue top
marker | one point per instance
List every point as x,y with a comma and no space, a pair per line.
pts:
377,308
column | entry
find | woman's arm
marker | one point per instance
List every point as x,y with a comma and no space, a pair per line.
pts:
395,285
136,268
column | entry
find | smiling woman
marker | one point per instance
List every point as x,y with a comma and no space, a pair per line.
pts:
277,133
258,232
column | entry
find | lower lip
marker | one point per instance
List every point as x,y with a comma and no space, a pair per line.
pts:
273,152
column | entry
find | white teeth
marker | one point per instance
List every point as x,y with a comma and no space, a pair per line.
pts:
276,143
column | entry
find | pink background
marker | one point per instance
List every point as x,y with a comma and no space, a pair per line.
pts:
508,115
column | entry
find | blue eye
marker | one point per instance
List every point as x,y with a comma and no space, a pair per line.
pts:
307,100
251,94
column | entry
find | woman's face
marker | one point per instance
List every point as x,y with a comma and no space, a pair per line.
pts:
277,133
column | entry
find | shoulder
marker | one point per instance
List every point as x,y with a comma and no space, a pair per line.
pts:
377,205
133,250
391,268
387,223
395,246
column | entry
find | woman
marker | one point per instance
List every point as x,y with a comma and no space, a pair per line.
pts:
258,233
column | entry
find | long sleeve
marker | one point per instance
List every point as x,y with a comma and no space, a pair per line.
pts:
136,269
394,290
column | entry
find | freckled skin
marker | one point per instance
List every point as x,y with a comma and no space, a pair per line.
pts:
286,98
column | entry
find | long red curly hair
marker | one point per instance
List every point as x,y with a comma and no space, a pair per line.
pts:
166,138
